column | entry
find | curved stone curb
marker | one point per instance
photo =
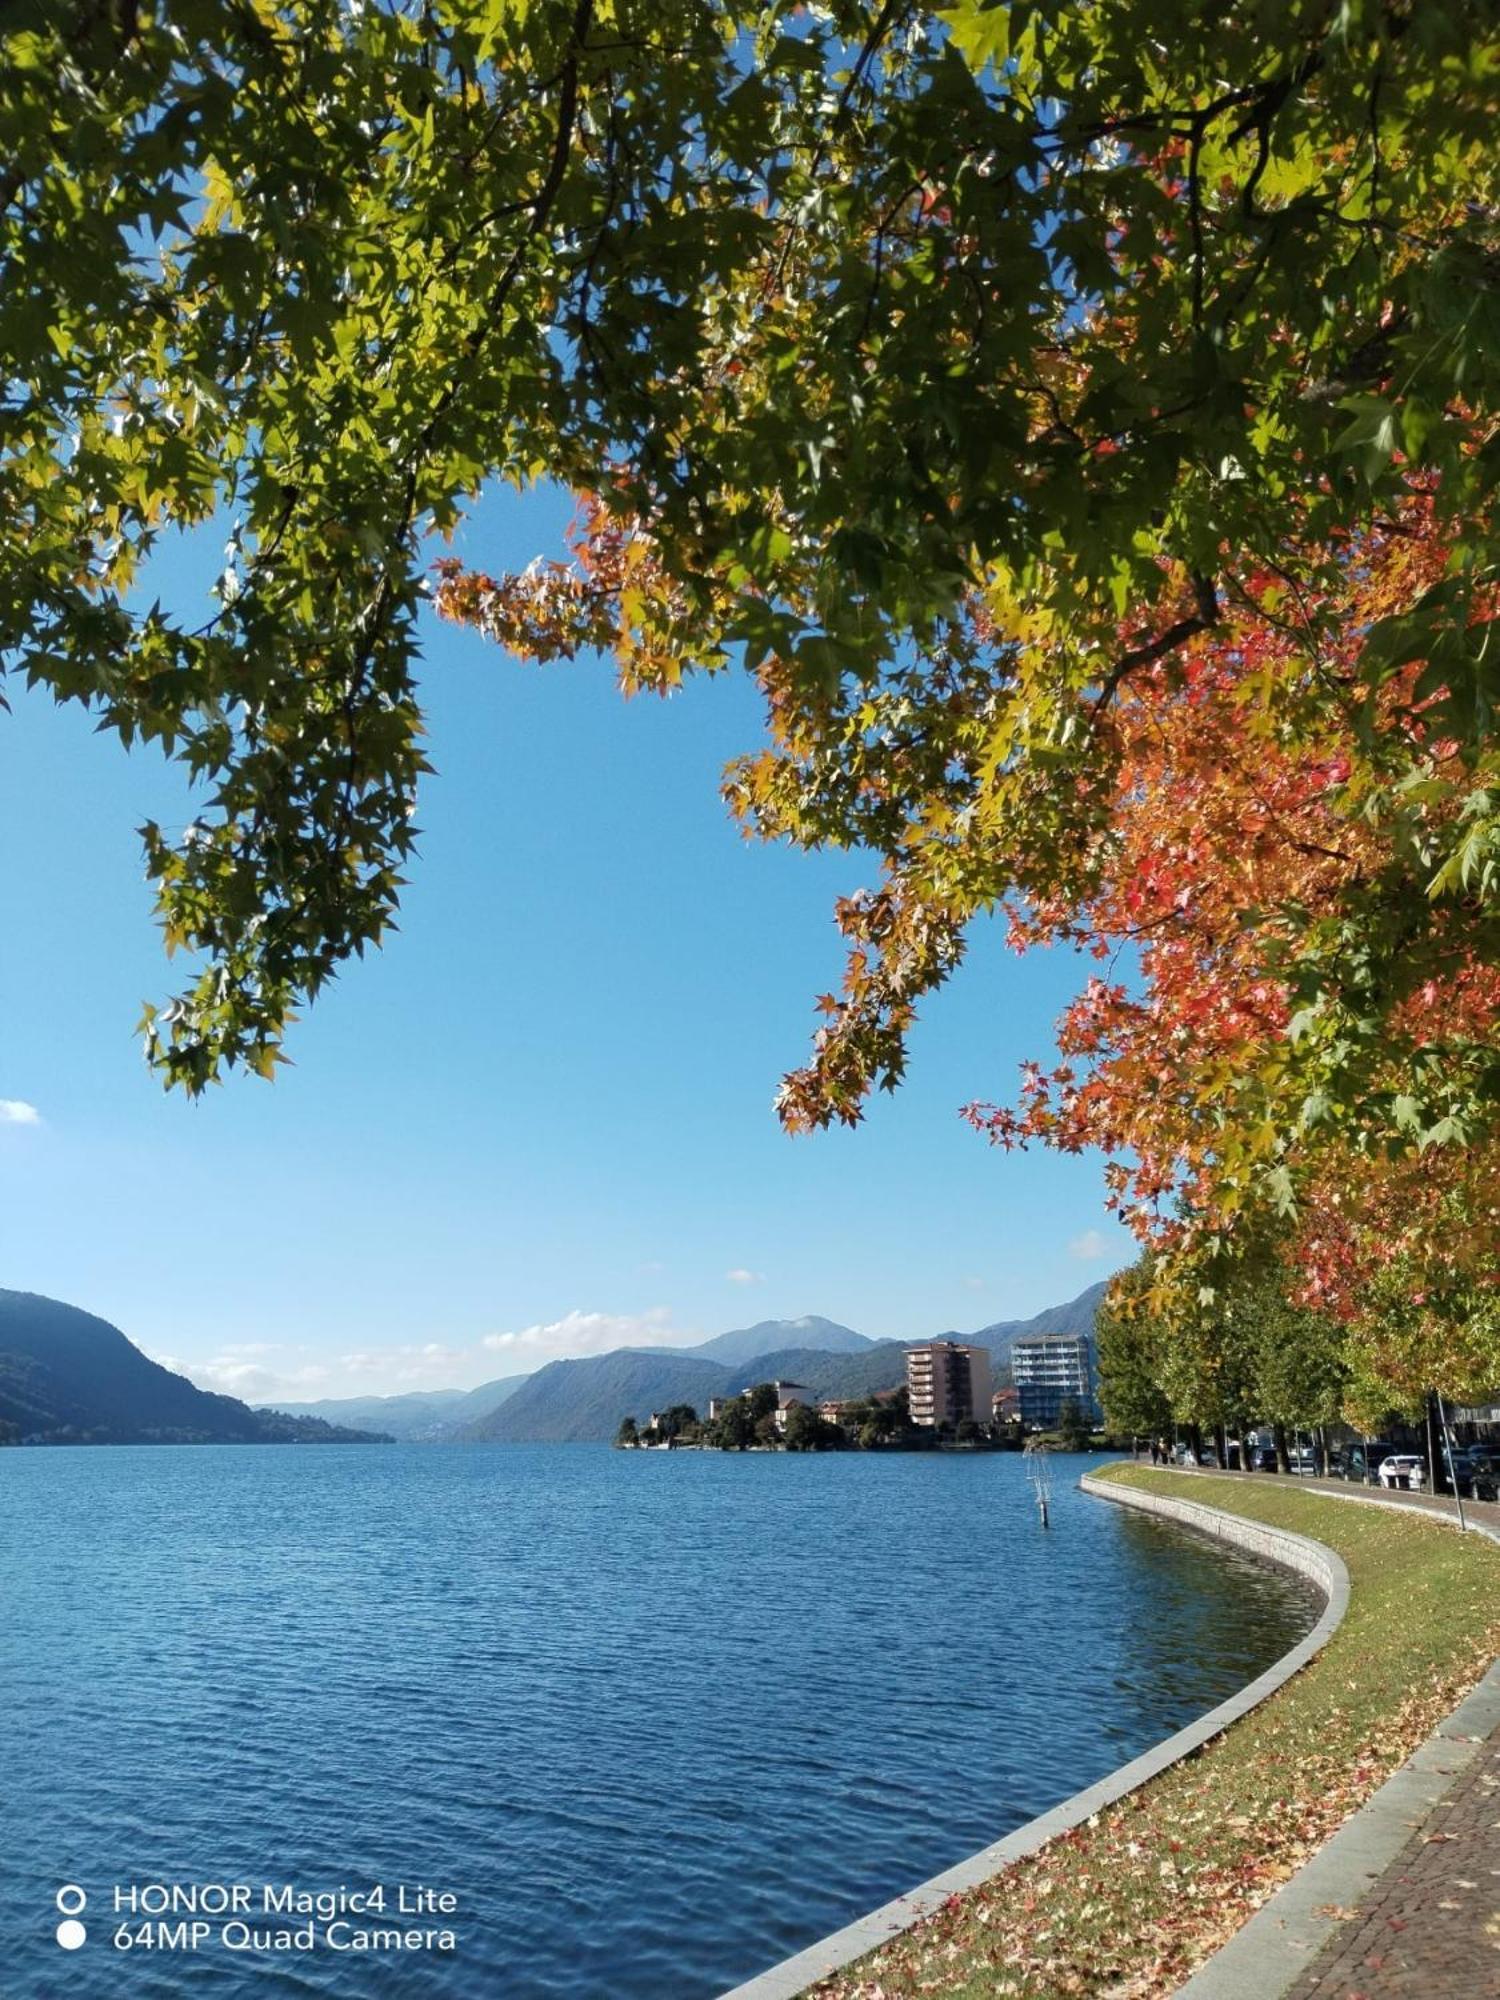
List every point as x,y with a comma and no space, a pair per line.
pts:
831,1954
1274,1948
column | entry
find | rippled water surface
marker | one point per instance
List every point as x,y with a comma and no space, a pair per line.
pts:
657,1719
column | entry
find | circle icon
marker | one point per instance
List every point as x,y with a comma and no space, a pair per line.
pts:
71,1934
70,1899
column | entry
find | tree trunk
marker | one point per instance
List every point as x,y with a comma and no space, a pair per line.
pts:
1221,1447
1283,1456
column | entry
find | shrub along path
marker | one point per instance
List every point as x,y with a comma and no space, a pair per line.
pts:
1129,1904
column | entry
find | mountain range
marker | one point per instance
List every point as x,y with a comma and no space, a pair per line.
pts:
434,1416
422,1416
574,1401
747,1343
68,1377
1076,1316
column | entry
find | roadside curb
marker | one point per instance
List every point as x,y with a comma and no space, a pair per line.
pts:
832,1953
1271,1951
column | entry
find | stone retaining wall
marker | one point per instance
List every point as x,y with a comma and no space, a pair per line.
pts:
1311,1559
1295,1552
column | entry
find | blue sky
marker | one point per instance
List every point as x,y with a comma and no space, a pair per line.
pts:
538,1123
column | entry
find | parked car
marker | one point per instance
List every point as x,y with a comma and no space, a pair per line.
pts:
1460,1463
1185,1455
1263,1458
1476,1472
1402,1469
1302,1462
1368,1457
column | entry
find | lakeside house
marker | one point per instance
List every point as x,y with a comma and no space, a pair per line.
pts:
788,1396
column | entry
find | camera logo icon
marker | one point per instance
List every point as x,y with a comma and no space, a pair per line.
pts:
70,1900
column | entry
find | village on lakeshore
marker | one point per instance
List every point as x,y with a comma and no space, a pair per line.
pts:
949,1401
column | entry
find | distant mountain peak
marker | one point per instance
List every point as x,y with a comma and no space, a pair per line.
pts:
768,1336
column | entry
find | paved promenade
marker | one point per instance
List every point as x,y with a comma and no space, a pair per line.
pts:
1429,1929
1428,1926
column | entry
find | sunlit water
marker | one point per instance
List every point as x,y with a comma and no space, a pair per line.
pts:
656,1719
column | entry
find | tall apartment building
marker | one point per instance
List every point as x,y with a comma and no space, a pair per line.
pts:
1052,1369
947,1383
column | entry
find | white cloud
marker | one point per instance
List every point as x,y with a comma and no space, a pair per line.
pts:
1089,1247
579,1333
270,1372
425,1364
16,1111
740,1276
235,1372
973,1284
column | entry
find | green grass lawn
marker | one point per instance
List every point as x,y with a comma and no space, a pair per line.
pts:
1129,1904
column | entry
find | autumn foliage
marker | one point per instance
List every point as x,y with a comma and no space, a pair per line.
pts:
1253,1043
1269,855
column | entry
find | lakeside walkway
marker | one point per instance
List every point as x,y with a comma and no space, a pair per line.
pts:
1427,1926
1481,1514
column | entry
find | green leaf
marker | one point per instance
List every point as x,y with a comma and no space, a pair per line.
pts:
981,33
1370,438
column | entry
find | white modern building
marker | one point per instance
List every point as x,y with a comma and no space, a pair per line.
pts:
1052,1369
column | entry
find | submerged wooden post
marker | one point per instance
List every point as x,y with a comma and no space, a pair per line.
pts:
1038,1469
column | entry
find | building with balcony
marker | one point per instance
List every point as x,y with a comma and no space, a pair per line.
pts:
1050,1370
949,1383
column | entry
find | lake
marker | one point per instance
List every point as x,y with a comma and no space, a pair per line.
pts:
655,1719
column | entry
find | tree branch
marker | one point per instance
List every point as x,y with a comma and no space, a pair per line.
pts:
1206,617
